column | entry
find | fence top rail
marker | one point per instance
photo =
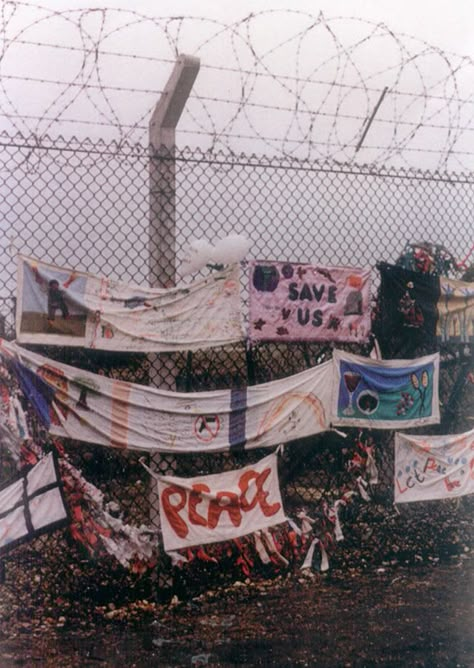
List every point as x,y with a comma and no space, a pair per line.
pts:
60,144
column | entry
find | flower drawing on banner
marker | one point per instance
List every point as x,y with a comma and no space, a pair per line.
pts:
407,306
405,403
421,386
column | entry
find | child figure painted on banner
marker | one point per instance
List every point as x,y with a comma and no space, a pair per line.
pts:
56,300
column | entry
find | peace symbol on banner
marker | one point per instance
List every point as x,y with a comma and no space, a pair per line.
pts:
206,427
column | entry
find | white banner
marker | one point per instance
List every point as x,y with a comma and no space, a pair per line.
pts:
213,508
92,408
433,467
32,505
65,307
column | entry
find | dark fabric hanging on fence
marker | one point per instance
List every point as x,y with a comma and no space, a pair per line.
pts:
407,313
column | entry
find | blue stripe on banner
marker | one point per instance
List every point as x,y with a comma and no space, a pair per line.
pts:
38,391
238,411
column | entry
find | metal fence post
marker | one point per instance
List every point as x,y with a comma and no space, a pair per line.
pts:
162,227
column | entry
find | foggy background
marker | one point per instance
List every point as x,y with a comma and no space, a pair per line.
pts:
281,95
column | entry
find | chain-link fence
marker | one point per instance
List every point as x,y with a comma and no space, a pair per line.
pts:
88,205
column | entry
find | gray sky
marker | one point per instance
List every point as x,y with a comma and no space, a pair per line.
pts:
418,119
446,24
296,86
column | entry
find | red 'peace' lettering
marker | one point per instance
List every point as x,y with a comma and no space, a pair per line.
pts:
260,494
232,507
430,465
172,510
225,501
195,497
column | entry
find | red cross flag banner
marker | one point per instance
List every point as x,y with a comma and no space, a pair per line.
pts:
219,507
302,302
65,307
433,467
92,408
31,505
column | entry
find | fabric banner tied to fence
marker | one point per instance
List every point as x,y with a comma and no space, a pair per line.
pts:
32,505
221,506
385,394
301,302
456,311
88,407
419,307
433,467
57,306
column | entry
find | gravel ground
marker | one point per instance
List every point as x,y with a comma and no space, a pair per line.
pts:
414,616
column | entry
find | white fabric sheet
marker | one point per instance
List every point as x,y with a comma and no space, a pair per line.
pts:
219,507
433,467
95,409
65,307
31,505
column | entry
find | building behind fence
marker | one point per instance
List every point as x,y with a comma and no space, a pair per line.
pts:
86,205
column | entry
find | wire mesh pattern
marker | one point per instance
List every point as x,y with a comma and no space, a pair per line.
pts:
81,205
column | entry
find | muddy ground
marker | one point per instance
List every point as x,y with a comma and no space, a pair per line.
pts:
416,616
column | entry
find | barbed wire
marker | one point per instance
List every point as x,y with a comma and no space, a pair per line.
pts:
276,82
215,99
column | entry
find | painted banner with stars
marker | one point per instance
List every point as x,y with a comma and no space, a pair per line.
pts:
302,302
